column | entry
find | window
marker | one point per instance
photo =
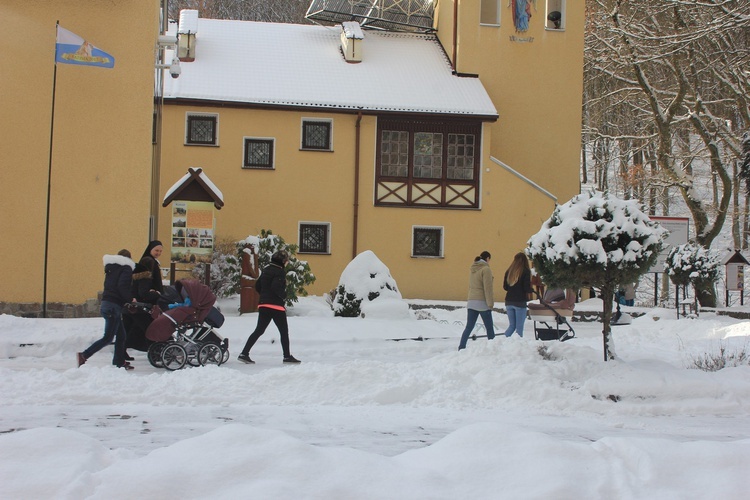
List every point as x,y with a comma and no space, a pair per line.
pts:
314,237
316,135
428,163
202,130
258,153
427,241
555,15
489,12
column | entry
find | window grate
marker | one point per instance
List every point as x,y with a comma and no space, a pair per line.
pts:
316,135
427,242
201,130
313,238
258,153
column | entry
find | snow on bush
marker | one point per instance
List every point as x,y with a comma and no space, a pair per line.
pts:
298,272
692,264
595,237
366,288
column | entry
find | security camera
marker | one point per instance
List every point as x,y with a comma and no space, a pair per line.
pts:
174,68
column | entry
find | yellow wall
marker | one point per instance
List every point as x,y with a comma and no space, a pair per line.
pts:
319,186
102,144
537,87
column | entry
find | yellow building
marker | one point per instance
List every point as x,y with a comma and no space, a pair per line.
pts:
298,126
99,168
313,157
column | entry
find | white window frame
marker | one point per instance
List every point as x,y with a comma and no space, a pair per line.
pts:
551,6
498,9
314,223
329,121
244,152
442,242
190,114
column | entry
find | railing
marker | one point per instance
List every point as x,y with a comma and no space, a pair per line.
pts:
173,270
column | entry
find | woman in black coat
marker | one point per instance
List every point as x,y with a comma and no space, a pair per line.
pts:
271,286
147,287
118,270
147,281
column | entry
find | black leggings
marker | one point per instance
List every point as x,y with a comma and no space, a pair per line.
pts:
265,315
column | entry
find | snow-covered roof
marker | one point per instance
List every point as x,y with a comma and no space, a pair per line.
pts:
188,21
206,185
302,66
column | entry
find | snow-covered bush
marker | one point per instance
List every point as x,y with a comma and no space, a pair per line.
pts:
225,269
298,273
596,240
691,264
366,286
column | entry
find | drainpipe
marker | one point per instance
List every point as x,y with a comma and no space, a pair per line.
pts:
356,183
454,62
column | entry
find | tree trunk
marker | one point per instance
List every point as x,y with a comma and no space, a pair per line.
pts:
607,294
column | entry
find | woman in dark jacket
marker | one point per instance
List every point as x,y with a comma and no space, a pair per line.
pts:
517,284
147,288
118,272
147,281
271,286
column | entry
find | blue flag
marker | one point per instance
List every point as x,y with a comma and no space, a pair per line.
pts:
72,49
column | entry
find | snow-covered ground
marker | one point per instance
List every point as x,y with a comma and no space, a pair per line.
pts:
370,416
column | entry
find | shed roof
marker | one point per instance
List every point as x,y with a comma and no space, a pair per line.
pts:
292,65
194,186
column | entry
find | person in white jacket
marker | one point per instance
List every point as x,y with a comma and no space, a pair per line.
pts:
481,298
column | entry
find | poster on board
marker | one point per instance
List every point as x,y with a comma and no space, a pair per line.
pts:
193,226
679,234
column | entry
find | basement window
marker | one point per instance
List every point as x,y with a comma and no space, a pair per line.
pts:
202,129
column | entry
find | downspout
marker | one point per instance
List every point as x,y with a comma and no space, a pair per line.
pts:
454,62
356,183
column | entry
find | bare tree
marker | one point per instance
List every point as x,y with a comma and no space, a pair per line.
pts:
670,85
278,11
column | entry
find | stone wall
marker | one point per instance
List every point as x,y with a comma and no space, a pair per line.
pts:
89,309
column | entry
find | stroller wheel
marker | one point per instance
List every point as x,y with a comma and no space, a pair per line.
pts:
154,354
193,357
210,354
173,356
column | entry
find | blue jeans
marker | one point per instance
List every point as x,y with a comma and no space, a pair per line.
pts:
471,320
113,329
516,318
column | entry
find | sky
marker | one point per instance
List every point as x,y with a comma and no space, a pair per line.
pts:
371,413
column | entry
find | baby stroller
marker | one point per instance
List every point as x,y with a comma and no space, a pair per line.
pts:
184,333
554,308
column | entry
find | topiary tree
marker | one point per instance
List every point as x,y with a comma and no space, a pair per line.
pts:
596,239
691,264
298,273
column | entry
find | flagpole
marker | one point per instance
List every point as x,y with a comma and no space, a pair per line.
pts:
49,179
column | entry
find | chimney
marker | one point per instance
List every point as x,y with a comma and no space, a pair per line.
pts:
186,31
351,41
